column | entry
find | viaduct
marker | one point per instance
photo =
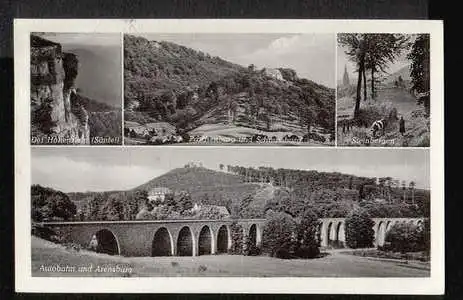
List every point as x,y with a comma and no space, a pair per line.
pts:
195,237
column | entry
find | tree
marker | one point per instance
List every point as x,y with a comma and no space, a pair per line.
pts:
411,186
355,45
244,206
382,49
237,235
404,189
278,234
359,229
184,202
419,68
404,237
307,236
50,204
221,167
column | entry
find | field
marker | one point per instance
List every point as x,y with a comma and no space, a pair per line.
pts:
334,264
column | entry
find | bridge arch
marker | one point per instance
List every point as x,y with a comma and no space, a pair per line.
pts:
107,242
254,235
205,241
163,244
223,239
340,234
328,233
381,233
388,225
185,242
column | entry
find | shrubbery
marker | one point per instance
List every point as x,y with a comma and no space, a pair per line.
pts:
403,237
359,229
285,238
237,239
49,204
278,234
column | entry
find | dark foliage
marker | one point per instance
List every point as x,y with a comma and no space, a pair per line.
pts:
279,234
407,238
359,229
48,204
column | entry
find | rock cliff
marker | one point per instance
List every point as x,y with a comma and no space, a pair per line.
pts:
55,117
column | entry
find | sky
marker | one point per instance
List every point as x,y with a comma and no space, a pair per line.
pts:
100,63
80,169
311,55
83,39
343,61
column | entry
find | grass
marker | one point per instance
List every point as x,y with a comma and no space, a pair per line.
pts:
410,256
45,253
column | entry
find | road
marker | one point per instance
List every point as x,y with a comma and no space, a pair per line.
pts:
335,264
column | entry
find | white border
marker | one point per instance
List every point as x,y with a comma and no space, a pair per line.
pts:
26,283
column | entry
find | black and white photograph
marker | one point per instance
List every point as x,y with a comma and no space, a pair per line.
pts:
76,88
229,89
220,212
383,89
229,156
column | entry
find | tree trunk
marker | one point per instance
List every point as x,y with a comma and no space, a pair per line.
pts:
359,88
373,82
364,85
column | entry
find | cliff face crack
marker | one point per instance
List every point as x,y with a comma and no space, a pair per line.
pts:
53,78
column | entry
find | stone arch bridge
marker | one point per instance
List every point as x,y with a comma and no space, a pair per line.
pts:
332,230
195,237
159,237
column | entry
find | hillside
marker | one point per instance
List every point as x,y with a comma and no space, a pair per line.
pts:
104,119
189,89
251,192
204,185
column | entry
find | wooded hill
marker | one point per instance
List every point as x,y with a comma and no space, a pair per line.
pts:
253,192
168,82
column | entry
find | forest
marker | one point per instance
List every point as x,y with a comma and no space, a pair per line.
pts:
245,192
188,88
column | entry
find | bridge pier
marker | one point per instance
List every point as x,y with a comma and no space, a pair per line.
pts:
159,238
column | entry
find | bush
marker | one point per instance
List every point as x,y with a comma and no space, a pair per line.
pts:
307,251
251,249
307,236
406,238
359,229
237,239
45,233
283,252
278,234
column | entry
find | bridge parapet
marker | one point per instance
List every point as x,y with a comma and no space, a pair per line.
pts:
158,237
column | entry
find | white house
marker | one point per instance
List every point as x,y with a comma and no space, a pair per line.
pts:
158,194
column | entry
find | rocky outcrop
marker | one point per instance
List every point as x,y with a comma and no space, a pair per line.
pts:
273,73
55,117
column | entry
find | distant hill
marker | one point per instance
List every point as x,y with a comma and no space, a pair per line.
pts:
172,83
404,72
103,82
203,183
250,192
